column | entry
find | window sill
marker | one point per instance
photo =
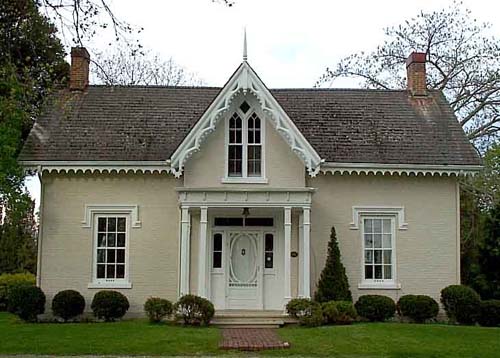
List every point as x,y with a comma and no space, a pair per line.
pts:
250,180
122,284
379,286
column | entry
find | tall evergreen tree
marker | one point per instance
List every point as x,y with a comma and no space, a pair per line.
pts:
333,284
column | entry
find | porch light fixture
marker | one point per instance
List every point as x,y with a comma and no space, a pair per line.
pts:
246,212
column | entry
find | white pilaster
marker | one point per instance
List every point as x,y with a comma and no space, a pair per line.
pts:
306,253
301,255
184,257
202,254
288,239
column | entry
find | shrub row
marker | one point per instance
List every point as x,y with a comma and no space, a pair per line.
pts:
9,282
28,302
311,314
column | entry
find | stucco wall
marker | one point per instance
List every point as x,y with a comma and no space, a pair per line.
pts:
66,254
426,252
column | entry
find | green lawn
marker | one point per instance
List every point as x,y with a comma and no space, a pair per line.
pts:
138,337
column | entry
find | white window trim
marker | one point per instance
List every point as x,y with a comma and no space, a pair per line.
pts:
393,283
91,213
118,209
397,211
245,179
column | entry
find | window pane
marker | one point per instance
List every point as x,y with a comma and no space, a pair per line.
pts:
101,271
254,161
120,271
269,244
377,240
378,256
235,160
387,241
268,260
369,272
368,241
377,226
368,256
121,224
120,256
257,136
101,240
368,225
387,256
101,256
217,242
386,224
217,259
259,221
111,224
111,240
111,256
387,272
110,271
101,224
120,240
244,107
378,272
228,221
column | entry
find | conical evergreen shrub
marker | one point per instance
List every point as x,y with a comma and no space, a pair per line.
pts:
333,284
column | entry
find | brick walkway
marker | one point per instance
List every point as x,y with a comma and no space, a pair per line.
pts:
251,339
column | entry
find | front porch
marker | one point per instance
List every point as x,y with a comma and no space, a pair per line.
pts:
245,249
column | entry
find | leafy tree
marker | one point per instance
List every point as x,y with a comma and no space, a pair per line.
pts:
126,66
333,284
463,61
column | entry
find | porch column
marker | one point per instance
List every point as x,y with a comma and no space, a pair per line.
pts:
305,268
202,254
288,239
184,257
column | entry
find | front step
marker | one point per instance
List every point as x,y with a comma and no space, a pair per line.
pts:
250,319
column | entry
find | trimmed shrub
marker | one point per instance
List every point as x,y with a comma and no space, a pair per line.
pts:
339,312
418,307
194,310
375,307
489,314
157,308
333,284
8,281
461,303
109,305
68,304
27,302
308,312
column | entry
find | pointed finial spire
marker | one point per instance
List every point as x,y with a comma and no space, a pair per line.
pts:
245,57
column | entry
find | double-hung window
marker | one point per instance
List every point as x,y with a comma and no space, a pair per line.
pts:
110,255
378,250
244,145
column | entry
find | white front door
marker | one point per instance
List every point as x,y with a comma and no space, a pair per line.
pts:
244,281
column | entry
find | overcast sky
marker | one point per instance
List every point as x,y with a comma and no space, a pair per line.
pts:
290,42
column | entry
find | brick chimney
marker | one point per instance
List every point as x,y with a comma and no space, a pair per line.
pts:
79,74
415,69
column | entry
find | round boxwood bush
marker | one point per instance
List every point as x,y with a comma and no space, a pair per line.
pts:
27,302
308,312
461,303
109,305
418,307
158,308
375,307
489,314
339,312
68,304
10,280
194,310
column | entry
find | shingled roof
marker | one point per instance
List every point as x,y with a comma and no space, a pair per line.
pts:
343,125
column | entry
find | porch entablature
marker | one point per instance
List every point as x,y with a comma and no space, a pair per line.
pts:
245,197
